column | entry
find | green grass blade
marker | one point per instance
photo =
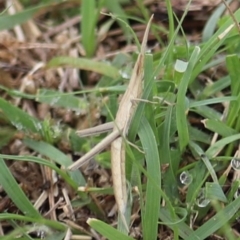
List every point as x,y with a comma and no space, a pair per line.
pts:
57,156
6,134
100,90
170,46
181,118
53,224
211,24
9,21
116,9
58,99
217,221
85,64
56,236
232,62
207,112
209,167
150,82
216,87
148,86
197,135
217,146
199,173
211,101
106,230
219,127
44,162
184,230
170,19
150,213
213,44
214,192
62,173
14,192
89,15
169,180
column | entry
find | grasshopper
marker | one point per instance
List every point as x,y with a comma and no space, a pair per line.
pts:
120,130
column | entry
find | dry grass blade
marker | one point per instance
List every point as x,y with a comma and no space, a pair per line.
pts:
122,122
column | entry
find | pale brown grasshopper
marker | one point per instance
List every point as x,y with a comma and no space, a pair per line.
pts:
120,129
